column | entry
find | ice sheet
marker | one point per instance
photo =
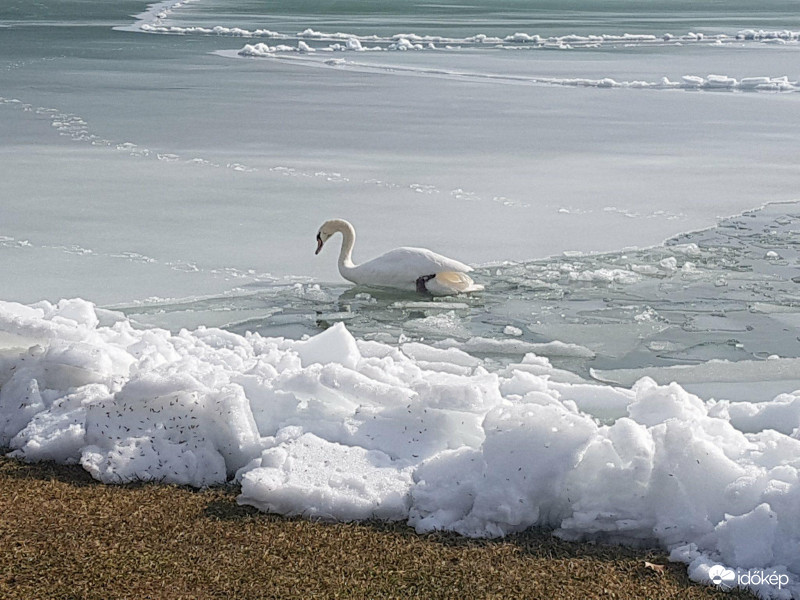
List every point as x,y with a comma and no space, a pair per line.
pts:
174,171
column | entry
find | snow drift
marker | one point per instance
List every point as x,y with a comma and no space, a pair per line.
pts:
339,428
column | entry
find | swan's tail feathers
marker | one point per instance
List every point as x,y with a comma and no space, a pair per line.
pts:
452,282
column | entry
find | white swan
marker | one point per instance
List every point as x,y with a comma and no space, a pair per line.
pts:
413,269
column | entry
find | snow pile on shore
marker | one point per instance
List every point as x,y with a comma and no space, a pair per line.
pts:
335,427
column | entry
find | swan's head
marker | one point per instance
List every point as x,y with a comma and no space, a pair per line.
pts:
324,233
333,226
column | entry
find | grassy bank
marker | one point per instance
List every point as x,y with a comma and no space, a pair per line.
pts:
62,535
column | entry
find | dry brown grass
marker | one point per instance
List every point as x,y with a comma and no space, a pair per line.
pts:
64,536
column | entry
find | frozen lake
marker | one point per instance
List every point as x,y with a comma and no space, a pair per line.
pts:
177,167
623,176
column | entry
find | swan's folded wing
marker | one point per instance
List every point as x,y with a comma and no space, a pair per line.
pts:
422,261
402,267
452,282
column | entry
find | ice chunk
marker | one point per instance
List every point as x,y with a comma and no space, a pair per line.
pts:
309,476
335,344
711,371
746,540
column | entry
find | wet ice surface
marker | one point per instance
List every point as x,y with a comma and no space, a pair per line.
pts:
177,167
729,293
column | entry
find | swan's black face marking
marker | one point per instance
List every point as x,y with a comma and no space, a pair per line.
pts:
323,235
421,281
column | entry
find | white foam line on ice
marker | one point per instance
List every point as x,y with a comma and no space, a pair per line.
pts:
711,82
154,15
225,273
77,129
688,82
413,41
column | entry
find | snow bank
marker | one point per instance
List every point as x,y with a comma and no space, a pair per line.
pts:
154,21
688,82
345,429
261,49
711,82
782,36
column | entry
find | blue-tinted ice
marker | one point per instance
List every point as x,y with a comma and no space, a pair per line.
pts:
731,292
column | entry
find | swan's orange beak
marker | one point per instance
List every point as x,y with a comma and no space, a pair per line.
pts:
319,245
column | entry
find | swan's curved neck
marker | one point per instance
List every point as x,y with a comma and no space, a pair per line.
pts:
348,241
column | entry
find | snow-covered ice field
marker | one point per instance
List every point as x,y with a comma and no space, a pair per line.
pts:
622,174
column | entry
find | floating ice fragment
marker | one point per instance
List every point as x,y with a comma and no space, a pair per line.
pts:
621,276
713,371
669,264
693,81
720,81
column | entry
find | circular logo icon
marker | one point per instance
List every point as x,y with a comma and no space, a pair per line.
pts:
722,577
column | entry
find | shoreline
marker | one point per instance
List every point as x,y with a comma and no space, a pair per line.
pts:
64,535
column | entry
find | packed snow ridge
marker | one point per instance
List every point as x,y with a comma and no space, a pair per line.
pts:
411,41
153,21
688,82
339,428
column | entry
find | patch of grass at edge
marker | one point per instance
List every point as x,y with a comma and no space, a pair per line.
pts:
65,536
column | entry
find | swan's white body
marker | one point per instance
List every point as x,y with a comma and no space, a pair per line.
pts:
412,269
